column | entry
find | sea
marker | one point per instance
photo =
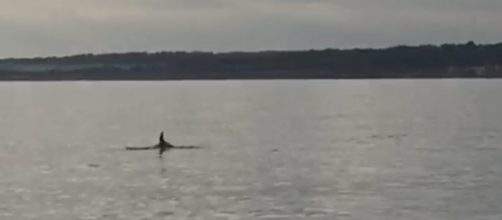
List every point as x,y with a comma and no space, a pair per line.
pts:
268,149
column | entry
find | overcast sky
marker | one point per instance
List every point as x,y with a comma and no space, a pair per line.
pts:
62,27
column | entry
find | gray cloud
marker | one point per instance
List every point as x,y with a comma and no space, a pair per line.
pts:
59,27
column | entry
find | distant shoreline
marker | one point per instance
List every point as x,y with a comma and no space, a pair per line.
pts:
69,77
467,60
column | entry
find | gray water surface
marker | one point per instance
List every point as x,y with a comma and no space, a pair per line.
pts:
377,149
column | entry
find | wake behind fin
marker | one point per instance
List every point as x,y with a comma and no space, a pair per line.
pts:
142,148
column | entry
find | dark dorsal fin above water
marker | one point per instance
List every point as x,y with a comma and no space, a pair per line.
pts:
161,138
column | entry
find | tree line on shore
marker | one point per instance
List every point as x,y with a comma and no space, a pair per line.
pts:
425,61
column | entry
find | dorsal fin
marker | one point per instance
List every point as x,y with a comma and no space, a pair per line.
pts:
161,138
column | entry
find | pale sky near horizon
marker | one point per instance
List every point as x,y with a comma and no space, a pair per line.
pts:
63,27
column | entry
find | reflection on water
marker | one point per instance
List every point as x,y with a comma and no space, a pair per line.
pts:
389,149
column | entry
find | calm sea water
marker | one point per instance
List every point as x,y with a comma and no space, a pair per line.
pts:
380,150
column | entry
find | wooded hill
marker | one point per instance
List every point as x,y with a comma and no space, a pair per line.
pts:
427,61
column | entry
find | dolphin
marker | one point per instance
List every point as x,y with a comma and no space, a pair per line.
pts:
162,146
